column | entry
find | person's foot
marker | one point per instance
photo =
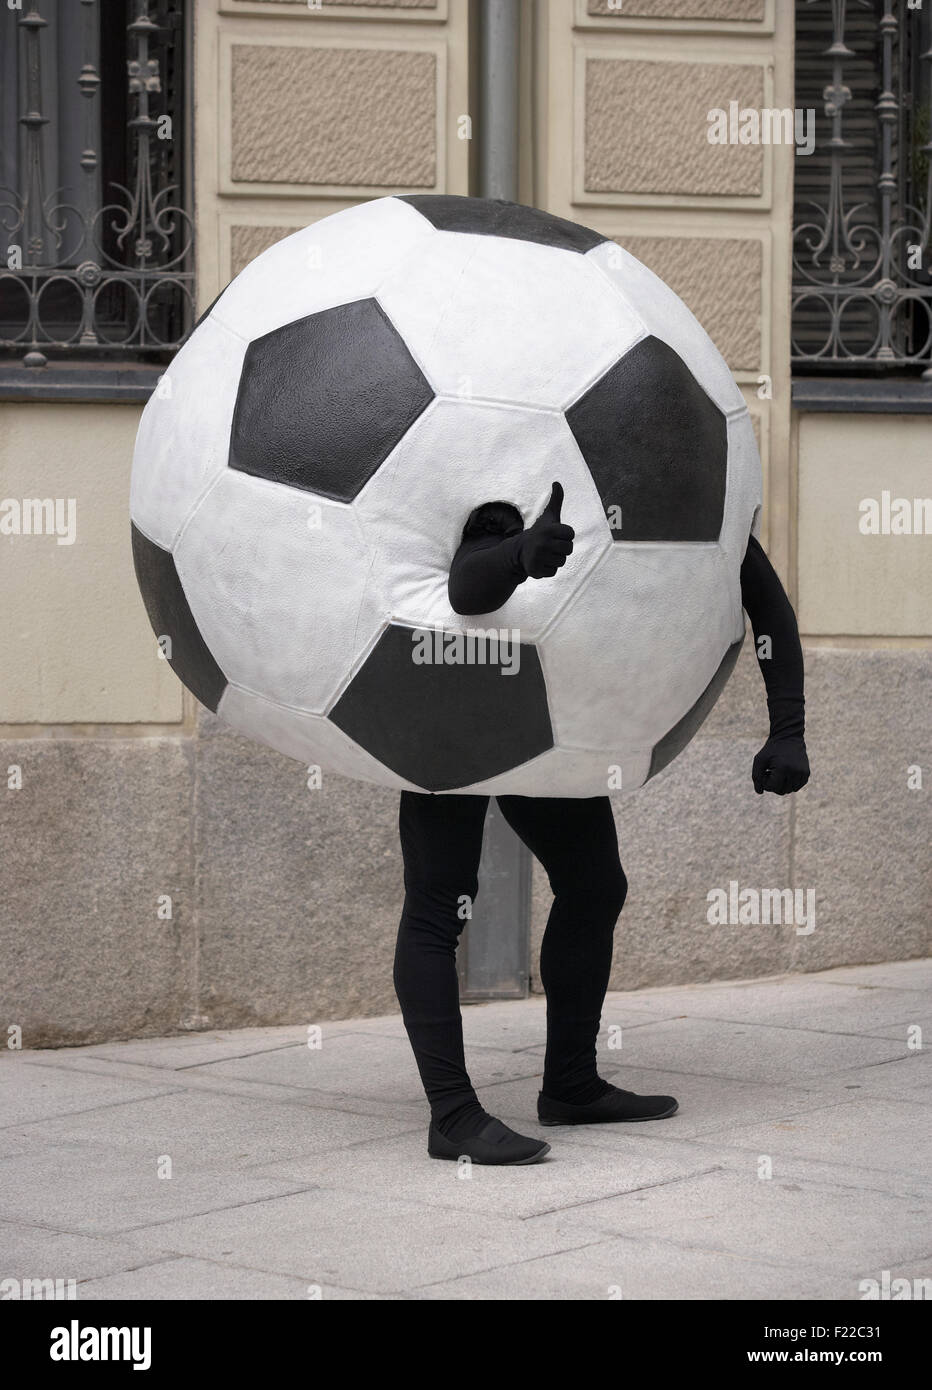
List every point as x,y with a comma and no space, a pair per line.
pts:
610,1108
494,1143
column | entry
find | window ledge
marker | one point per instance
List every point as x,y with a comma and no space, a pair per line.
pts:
878,395
126,382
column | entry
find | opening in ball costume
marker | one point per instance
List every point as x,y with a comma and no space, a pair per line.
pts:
451,495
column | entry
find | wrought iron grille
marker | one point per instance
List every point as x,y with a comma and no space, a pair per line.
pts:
862,289
100,266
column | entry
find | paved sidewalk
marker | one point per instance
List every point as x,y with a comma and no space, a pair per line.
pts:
297,1169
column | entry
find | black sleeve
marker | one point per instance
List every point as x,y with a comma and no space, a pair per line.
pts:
486,569
771,615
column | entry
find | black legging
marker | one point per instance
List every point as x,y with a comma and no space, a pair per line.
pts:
441,840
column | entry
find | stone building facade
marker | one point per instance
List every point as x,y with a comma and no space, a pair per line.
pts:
158,872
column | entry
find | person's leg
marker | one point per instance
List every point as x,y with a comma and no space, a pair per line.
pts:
441,843
576,842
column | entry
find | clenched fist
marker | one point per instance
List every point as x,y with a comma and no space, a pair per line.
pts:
781,766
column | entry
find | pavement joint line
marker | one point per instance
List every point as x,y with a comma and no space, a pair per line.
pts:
801,977
628,1192
299,1093
146,1225
608,1237
396,1100
118,1273
77,1145
88,1110
511,1264
209,1211
673,1070
726,1076
884,1062
239,1057
222,1264
335,1150
746,1256
431,1203
828,1180
784,1027
821,1104
395,1037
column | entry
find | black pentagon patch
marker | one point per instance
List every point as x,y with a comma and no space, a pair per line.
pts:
676,740
443,726
323,400
497,217
656,446
171,616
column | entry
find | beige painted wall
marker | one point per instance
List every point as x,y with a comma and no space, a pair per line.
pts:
78,646
850,583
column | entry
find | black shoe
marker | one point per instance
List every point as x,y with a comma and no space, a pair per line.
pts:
615,1106
495,1143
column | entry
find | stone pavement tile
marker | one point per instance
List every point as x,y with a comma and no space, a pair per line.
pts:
198,1130
36,1091
894,974
798,1001
707,1103
905,1032
345,1239
917,1271
807,1172
194,1049
711,1103
183,1278
646,1269
365,1065
101,1190
768,1219
510,1025
502,1025
868,1133
17,1141
35,1252
724,1148
569,1176
748,1051
203,1080
907,1077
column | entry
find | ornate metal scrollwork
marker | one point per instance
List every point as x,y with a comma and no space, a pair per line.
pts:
862,292
123,269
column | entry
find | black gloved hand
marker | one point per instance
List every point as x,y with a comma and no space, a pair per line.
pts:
781,766
543,547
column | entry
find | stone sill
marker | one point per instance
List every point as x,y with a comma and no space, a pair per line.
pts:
115,382
868,395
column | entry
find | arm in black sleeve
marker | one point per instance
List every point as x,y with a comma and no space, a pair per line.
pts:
496,553
782,764
486,568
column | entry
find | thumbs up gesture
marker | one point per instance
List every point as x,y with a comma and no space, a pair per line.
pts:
544,546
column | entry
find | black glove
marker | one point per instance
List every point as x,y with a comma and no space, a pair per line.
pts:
781,766
542,549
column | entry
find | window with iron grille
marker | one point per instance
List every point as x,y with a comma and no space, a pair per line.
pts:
96,234
862,289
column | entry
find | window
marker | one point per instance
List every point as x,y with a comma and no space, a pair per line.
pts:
96,253
862,290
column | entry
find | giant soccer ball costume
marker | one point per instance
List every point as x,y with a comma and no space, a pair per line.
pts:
301,482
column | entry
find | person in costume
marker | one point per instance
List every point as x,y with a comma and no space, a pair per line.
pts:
575,841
